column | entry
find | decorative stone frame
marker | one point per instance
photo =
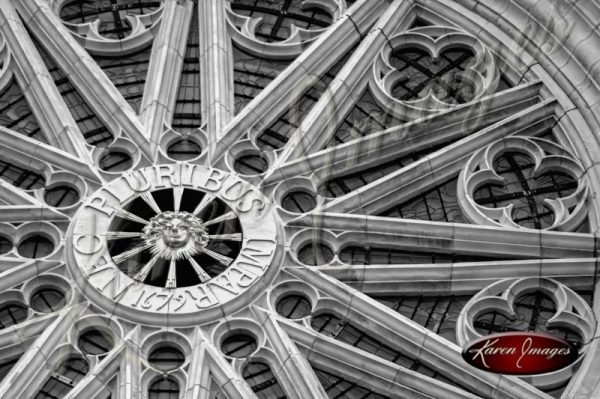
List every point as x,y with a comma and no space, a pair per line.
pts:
548,157
571,311
482,74
143,29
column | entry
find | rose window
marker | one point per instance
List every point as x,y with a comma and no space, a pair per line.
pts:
295,199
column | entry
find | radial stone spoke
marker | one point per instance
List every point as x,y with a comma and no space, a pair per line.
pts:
228,216
401,141
117,235
441,165
177,195
222,259
226,237
132,252
457,238
402,334
172,276
207,199
199,271
143,273
166,60
459,278
149,199
128,215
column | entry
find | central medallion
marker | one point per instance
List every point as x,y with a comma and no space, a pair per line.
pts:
180,239
175,235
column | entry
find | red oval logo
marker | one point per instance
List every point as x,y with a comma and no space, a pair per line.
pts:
520,353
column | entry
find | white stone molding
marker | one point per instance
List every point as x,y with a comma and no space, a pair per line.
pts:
481,73
143,29
458,278
398,141
571,312
548,157
319,126
302,73
56,123
242,30
31,370
438,166
295,367
84,73
383,324
166,62
455,237
42,157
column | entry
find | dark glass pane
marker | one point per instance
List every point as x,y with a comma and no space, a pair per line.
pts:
251,165
61,196
239,345
16,114
5,245
262,381
299,202
47,300
95,342
166,358
36,246
115,161
277,17
20,177
294,307
166,388
12,314
436,313
315,254
524,190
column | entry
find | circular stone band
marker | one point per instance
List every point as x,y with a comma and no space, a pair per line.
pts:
97,274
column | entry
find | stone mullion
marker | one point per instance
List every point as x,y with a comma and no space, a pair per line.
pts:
96,381
166,62
20,274
57,124
33,369
130,370
412,339
289,85
18,338
456,237
319,126
29,151
300,379
23,207
198,381
222,371
216,69
427,172
367,369
400,141
96,88
17,196
459,278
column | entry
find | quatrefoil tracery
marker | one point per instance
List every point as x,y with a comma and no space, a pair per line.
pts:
108,26
541,178
529,304
430,69
280,29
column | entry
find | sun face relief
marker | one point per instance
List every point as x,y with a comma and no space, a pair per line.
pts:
176,239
